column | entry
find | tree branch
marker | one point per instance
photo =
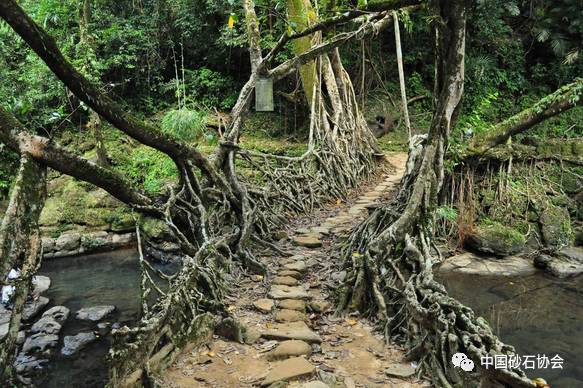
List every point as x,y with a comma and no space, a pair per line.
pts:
43,150
565,98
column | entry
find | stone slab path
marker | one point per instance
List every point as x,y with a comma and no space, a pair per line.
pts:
293,338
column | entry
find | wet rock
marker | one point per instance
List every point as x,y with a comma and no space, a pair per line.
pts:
291,369
58,313
298,266
469,263
264,305
26,364
308,241
291,348
21,337
400,370
40,342
566,264
48,244
40,284
103,328
319,306
286,292
32,309
68,242
95,313
496,239
74,343
555,226
294,330
46,325
292,304
284,280
289,316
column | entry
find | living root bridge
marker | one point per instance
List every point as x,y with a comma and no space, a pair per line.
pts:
389,257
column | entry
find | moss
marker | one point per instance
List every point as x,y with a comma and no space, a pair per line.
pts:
154,229
496,231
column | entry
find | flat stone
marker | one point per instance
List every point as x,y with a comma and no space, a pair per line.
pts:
290,348
287,292
32,309
251,336
291,369
74,343
40,284
284,280
264,305
469,263
58,313
400,370
293,330
307,241
47,325
40,342
292,304
314,384
299,266
286,315
287,272
356,210
94,313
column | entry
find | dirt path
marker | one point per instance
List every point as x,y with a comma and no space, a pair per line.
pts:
293,338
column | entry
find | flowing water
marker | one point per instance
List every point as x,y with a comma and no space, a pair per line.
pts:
536,314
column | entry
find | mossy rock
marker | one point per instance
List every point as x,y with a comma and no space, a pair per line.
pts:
556,226
497,239
155,229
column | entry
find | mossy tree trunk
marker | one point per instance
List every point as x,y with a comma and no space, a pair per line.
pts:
20,247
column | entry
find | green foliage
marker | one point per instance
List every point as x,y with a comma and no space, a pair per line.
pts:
8,167
185,124
211,88
151,169
447,213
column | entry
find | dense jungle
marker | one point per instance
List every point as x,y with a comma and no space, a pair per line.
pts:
291,193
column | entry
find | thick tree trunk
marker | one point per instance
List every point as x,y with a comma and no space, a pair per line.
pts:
20,247
391,255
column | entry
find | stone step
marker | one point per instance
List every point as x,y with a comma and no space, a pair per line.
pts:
293,330
292,304
286,315
264,305
308,241
288,272
299,266
290,348
284,280
287,292
290,369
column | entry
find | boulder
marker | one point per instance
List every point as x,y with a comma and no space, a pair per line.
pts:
297,266
567,263
40,342
46,325
32,309
284,280
74,343
95,313
469,263
292,304
48,244
556,226
289,316
496,239
26,364
68,242
58,313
